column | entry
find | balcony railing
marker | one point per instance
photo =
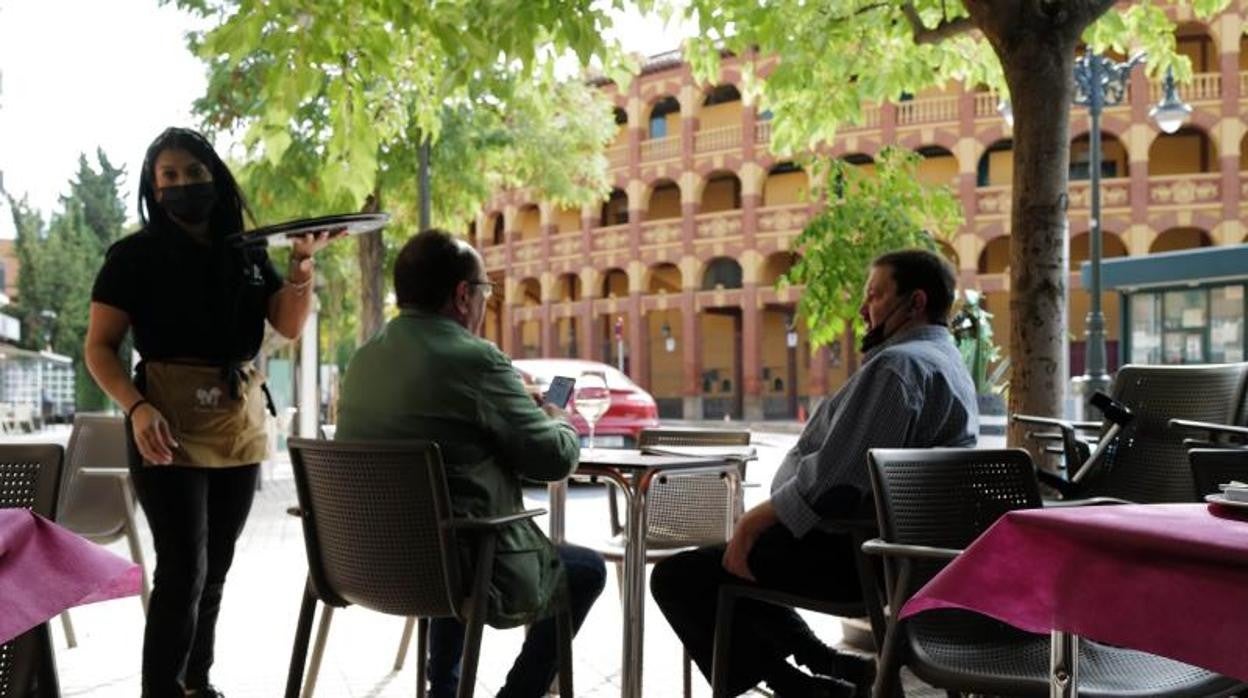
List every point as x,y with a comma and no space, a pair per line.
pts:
661,232
928,109
1185,190
526,251
617,156
611,237
762,131
986,104
720,224
1115,193
724,138
565,245
993,201
661,148
1205,87
784,218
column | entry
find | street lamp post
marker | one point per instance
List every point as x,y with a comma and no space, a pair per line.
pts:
1099,82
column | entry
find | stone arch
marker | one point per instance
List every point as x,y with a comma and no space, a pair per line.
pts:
663,117
495,228
615,208
529,292
776,264
996,164
568,288
1115,160
614,283
939,165
566,219
664,277
721,191
786,183
528,223
1189,150
1112,245
995,257
1180,238
721,272
1194,40
663,199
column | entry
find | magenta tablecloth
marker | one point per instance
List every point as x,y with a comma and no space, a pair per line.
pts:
1169,579
45,569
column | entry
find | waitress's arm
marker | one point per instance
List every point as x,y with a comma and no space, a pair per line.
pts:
289,306
106,328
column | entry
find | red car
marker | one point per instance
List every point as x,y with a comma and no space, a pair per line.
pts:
632,409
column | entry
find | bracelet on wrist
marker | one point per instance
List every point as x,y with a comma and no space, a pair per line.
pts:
135,406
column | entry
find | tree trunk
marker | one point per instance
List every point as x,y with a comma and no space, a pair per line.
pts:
371,253
1035,41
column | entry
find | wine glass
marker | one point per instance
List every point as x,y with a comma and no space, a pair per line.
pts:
592,399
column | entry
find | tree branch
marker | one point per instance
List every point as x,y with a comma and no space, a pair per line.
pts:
946,29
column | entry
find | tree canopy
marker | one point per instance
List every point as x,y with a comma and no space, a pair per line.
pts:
332,101
827,59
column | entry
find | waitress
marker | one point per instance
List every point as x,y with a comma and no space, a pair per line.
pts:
196,405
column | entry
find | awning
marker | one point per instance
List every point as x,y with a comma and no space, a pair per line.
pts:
1199,266
9,352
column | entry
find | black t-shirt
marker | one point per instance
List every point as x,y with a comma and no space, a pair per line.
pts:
188,300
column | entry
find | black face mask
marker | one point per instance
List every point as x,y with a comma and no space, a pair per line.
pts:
875,336
189,203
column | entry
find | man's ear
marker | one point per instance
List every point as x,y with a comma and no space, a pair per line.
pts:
462,291
918,302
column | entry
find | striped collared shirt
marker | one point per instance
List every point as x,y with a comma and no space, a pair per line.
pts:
912,392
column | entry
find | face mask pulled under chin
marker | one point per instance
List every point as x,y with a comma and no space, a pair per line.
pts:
189,203
876,335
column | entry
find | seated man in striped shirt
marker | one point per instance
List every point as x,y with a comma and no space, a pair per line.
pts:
912,391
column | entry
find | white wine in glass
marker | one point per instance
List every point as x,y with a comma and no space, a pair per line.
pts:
592,399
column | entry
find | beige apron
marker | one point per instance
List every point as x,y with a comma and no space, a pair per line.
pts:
212,428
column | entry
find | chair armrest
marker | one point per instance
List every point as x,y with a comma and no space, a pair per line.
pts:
120,473
1086,426
1062,424
875,546
1210,427
294,511
1086,502
1064,487
493,522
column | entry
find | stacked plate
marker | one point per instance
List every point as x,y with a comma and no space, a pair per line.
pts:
1234,494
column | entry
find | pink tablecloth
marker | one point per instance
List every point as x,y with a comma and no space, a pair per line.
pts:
45,569
1169,579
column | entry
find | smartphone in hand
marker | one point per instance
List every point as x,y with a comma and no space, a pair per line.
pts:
560,391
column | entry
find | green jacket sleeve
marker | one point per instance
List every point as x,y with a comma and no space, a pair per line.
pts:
531,443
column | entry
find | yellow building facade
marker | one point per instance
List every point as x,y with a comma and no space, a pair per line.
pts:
673,276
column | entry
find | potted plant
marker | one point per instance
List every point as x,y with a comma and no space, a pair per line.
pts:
972,330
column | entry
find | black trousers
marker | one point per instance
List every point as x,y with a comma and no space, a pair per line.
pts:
196,515
686,587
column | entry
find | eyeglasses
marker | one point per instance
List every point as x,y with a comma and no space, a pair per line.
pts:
487,287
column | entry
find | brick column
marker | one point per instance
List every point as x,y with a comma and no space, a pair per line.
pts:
751,352
585,330
548,341
638,347
691,355
1229,156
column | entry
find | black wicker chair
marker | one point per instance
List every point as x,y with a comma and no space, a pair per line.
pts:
1146,460
931,504
30,478
1214,466
379,533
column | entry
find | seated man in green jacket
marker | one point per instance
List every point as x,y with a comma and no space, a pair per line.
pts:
427,375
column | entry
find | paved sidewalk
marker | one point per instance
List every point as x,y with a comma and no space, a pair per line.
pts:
262,600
